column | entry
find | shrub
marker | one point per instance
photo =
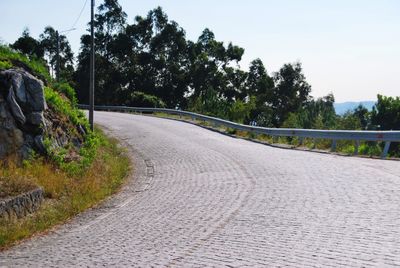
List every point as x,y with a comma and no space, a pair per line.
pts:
66,90
140,99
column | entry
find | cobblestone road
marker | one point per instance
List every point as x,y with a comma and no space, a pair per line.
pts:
204,199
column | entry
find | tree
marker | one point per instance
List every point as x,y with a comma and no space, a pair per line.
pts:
318,113
291,92
210,68
28,45
48,41
385,114
363,115
259,85
109,21
258,81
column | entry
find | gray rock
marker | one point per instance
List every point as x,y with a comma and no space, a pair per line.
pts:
35,118
24,118
19,87
35,96
15,108
39,143
22,104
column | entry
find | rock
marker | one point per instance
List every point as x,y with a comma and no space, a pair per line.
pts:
15,108
27,89
25,119
39,143
36,94
35,118
22,121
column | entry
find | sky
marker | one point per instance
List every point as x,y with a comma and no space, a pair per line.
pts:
350,48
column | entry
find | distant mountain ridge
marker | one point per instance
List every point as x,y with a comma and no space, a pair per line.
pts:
343,107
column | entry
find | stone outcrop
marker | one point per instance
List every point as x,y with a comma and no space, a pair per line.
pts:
22,107
25,118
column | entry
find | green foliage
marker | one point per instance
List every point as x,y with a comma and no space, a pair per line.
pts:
67,193
5,64
48,42
385,114
292,121
240,110
65,107
371,149
28,45
67,90
349,121
9,56
140,99
210,104
291,92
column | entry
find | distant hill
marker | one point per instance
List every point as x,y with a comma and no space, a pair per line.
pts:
343,107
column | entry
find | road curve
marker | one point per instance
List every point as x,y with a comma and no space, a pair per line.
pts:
200,198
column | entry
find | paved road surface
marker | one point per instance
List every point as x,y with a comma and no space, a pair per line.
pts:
204,199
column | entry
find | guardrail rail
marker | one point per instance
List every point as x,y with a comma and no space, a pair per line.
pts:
334,135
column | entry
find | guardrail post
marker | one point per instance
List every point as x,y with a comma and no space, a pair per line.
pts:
333,147
356,147
385,150
274,139
301,140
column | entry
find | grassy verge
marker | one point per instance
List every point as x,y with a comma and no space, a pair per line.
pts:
67,191
368,149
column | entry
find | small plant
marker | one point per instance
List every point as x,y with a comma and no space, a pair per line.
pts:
231,131
5,64
68,190
66,90
65,107
252,135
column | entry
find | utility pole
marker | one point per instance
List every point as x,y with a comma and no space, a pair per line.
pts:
91,83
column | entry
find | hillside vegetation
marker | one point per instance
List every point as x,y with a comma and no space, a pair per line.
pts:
75,173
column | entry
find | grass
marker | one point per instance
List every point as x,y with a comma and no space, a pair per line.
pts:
67,193
14,187
65,106
9,58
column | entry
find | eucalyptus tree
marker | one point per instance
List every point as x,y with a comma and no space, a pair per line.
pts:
210,67
291,92
53,43
109,21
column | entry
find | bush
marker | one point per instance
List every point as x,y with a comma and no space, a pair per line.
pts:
140,99
66,90
65,107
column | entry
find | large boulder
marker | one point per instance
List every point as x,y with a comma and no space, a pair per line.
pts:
22,107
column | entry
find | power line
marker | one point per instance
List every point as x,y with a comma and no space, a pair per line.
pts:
79,16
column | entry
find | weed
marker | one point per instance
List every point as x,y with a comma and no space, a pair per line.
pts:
66,193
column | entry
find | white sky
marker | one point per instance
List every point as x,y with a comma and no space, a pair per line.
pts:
348,47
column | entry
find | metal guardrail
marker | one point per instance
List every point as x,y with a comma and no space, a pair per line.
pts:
334,135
